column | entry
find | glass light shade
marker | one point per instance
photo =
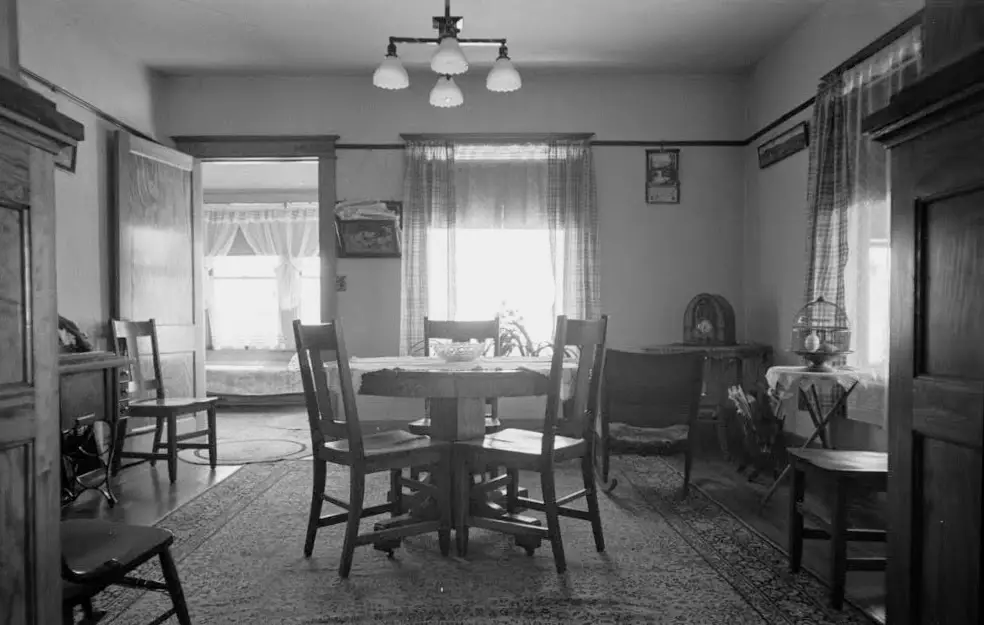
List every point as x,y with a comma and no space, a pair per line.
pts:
449,59
503,76
391,74
446,94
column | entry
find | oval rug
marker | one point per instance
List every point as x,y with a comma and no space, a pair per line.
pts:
249,451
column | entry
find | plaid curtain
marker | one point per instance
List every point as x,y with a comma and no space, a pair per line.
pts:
829,194
428,197
572,209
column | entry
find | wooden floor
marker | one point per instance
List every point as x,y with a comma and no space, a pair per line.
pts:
720,480
146,496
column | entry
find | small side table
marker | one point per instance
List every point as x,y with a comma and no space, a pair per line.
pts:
848,471
809,385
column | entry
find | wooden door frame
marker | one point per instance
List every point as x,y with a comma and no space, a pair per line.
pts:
320,147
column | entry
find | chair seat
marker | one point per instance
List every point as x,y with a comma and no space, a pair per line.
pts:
526,443
391,442
89,543
422,426
176,405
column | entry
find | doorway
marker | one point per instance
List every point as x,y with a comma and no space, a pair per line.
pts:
262,271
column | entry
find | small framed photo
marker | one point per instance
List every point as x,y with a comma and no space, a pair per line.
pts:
784,145
663,176
66,158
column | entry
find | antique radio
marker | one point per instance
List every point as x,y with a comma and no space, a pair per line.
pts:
709,320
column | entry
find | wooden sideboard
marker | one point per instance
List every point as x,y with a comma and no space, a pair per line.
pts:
89,385
32,132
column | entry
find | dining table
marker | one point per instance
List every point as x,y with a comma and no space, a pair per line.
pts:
456,393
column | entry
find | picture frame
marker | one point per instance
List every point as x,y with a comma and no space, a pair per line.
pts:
371,238
784,145
663,176
65,159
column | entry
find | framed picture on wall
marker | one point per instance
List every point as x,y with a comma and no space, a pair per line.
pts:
784,145
379,237
663,176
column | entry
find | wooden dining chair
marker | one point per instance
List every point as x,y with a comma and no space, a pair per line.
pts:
390,451
145,398
97,554
650,403
462,332
518,449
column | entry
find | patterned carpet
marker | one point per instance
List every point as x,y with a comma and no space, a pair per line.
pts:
238,550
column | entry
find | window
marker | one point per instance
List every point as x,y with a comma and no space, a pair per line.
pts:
245,309
245,312
492,271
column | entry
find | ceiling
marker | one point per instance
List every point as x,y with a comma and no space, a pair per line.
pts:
200,36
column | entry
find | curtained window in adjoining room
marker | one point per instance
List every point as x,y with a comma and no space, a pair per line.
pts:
498,227
262,271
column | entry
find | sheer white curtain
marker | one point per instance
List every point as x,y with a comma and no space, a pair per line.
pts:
220,233
288,232
867,88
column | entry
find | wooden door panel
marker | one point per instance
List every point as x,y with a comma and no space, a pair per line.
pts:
159,256
952,252
14,288
15,505
948,558
936,405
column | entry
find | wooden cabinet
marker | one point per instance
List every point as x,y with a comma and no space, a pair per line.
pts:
31,132
935,131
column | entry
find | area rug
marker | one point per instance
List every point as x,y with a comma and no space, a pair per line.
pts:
250,438
238,548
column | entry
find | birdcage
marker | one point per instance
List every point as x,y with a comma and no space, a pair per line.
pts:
821,334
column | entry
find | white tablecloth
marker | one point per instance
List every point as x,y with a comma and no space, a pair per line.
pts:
361,366
792,378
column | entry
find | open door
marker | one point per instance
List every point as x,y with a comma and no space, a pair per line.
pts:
159,256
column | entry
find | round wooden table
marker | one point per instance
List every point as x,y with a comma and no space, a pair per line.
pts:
457,394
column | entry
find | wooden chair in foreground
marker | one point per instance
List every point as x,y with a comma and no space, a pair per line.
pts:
649,404
518,449
144,398
97,554
390,451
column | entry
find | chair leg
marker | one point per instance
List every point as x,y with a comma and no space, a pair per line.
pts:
512,491
553,518
688,461
587,473
445,483
172,448
838,546
317,499
795,546
174,587
357,493
213,444
158,434
462,500
396,492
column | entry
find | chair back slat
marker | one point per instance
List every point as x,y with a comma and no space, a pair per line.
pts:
312,341
129,338
588,337
653,390
462,332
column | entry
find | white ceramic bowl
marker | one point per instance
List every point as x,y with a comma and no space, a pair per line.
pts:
459,352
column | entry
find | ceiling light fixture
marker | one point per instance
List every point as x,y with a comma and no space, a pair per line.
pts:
448,60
